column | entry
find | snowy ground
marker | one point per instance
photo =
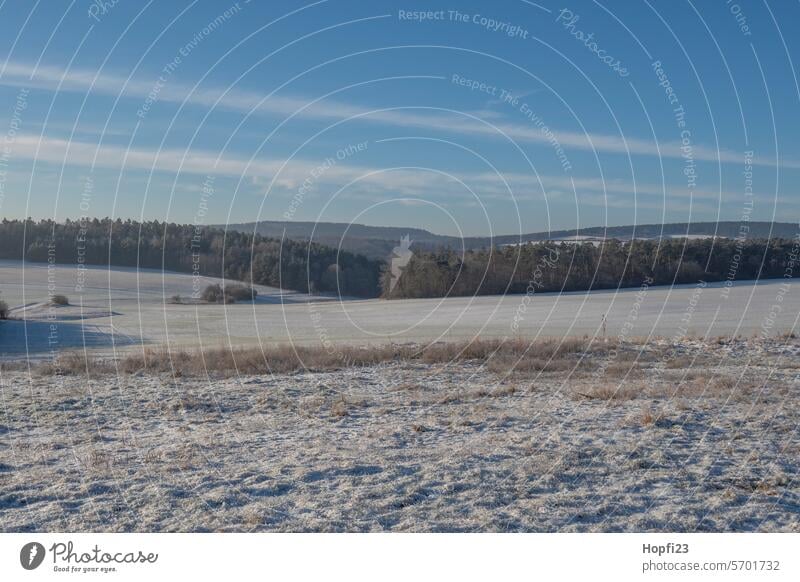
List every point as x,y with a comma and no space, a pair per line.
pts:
123,310
702,439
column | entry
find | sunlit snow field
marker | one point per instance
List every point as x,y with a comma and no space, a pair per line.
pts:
121,309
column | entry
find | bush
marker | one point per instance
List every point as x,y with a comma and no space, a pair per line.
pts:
237,292
212,294
59,300
229,294
72,364
3,309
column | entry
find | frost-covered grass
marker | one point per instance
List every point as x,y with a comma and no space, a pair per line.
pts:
659,436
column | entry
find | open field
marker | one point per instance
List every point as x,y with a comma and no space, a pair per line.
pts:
656,436
123,310
355,415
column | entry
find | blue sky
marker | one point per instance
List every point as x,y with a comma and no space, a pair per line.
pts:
505,117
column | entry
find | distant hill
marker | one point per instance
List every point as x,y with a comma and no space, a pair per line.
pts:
726,229
377,242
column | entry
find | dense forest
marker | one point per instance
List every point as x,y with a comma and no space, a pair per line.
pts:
298,265
549,266
211,251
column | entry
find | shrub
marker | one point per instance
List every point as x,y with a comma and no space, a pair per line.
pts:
212,294
73,364
3,309
238,292
232,293
59,300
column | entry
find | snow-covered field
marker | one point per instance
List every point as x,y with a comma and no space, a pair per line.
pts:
705,439
670,433
122,309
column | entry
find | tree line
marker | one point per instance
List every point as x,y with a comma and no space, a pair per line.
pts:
316,268
551,266
212,252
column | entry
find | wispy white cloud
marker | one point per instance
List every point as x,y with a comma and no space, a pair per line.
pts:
531,183
234,99
369,182
260,172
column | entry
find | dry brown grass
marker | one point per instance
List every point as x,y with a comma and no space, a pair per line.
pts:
544,349
522,356
512,365
679,363
13,366
609,392
711,384
339,408
648,418
504,390
634,354
70,364
408,387
278,360
624,370
516,356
